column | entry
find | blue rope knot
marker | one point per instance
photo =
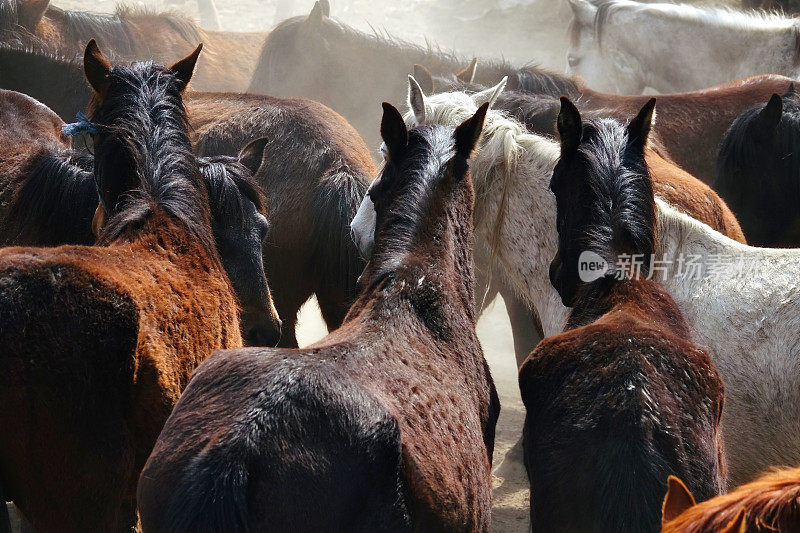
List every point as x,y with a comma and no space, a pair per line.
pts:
82,125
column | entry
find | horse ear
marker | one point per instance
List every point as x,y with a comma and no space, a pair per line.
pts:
31,12
317,14
640,126
393,130
252,156
770,116
677,500
416,100
583,11
491,94
469,131
96,68
738,524
424,78
184,68
570,127
326,7
468,74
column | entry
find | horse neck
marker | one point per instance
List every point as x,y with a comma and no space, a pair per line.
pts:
639,298
515,217
431,267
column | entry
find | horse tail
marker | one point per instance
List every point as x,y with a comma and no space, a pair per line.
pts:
335,204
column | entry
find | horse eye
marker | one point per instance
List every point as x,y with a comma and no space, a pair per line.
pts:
573,60
263,226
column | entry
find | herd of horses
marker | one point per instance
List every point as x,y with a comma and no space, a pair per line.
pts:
156,252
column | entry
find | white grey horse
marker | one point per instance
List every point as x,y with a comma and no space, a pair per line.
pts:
622,46
750,327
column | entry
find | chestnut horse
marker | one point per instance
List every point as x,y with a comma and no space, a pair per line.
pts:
388,423
228,60
314,164
321,58
622,398
98,342
768,504
758,169
48,197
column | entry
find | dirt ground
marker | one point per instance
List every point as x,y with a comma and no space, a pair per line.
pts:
519,30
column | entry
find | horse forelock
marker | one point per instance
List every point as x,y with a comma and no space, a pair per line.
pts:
144,116
229,184
622,204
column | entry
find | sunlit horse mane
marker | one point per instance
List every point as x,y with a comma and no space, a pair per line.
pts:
502,145
116,27
529,77
154,134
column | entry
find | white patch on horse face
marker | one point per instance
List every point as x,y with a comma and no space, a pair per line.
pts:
362,227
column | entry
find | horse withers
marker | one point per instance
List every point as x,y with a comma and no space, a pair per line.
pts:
387,424
622,398
98,342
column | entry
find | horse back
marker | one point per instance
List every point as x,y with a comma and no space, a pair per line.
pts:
619,405
268,437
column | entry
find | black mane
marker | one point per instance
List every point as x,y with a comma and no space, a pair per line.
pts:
147,141
54,205
228,181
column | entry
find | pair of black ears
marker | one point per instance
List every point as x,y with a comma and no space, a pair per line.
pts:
770,116
321,9
98,69
570,126
395,133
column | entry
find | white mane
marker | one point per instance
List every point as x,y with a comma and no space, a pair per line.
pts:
717,16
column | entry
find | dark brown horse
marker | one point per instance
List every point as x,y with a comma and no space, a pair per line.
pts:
47,193
622,398
768,504
98,342
758,171
321,58
314,173
227,64
388,423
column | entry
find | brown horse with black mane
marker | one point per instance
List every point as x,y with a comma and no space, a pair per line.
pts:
622,398
314,173
227,64
98,342
388,423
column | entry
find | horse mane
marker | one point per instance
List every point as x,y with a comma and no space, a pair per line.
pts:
718,16
117,30
149,121
54,204
405,218
623,207
772,503
739,149
227,182
529,78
